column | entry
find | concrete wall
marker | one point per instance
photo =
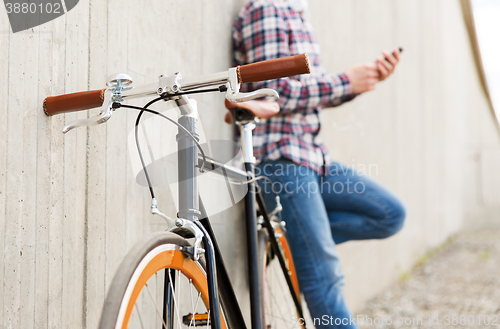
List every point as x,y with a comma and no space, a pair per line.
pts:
69,205
428,130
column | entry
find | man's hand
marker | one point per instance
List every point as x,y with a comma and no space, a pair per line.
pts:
387,63
364,76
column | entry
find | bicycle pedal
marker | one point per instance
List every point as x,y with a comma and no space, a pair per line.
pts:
196,319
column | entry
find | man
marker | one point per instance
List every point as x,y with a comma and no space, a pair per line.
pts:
324,203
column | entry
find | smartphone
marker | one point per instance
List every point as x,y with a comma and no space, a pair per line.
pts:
400,51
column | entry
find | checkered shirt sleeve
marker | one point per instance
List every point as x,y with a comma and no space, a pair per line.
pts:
268,29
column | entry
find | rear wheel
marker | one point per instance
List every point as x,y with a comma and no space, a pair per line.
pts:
158,286
278,307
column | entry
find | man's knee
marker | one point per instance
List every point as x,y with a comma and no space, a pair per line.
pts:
395,218
338,283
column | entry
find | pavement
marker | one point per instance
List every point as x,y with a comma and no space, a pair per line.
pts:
457,286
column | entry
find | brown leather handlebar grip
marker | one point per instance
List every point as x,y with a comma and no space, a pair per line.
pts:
274,69
73,102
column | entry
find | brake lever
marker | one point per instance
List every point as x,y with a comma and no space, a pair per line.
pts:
107,111
238,97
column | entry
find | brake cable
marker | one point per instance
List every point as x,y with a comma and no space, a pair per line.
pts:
165,97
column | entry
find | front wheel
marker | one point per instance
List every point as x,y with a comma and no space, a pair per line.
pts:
158,286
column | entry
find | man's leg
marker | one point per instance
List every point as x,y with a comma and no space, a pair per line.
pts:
358,207
308,229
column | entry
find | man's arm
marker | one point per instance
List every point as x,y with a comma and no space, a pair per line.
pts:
263,34
365,76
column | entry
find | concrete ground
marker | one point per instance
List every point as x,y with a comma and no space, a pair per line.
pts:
455,286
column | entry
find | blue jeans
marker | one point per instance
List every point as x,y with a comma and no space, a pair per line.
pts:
321,211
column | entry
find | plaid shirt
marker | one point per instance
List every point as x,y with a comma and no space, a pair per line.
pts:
267,29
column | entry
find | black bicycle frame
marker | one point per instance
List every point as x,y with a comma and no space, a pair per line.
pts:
253,252
191,208
234,317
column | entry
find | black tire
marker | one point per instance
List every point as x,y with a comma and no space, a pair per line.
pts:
152,262
278,308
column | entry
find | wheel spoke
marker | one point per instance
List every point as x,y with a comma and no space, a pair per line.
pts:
278,296
179,295
195,307
191,297
280,282
175,302
271,308
156,306
283,290
280,318
275,302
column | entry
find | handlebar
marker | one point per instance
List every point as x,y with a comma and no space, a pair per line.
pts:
73,102
274,69
260,71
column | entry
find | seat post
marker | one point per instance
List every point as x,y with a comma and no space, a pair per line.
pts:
246,121
246,142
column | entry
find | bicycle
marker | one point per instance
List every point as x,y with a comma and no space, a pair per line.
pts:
182,269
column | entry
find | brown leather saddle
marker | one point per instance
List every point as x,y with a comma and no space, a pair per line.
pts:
261,109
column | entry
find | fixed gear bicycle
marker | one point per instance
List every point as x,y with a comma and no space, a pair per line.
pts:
174,278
